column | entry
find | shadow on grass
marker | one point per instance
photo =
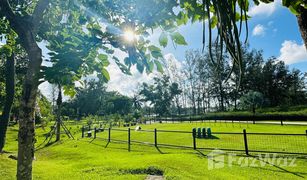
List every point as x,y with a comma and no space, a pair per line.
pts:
208,138
41,146
107,144
281,169
5,152
159,150
201,154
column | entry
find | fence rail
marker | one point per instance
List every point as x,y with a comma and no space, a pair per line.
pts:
229,141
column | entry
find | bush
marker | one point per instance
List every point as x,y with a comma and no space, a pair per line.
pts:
128,118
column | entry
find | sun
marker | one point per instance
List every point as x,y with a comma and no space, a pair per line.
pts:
129,36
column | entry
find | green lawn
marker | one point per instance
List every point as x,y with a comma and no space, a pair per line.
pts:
87,159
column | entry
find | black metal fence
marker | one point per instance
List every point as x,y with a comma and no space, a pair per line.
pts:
245,142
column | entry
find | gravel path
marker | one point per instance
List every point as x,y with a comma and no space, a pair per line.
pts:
154,177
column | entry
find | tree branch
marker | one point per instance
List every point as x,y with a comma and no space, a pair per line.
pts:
37,15
6,10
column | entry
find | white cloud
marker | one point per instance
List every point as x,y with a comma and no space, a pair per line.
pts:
259,30
128,84
173,67
292,53
264,9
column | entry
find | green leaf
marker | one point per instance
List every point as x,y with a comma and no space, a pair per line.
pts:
105,74
154,48
156,54
104,59
213,21
69,91
140,68
150,66
178,38
163,40
256,2
121,66
6,49
159,66
155,51
244,4
182,18
293,10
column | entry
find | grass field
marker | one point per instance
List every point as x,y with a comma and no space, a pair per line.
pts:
89,159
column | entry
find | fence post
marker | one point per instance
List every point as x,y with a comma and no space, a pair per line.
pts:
194,138
245,141
156,142
82,131
128,139
281,123
109,137
95,130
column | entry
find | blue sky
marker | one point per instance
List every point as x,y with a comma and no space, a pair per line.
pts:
272,29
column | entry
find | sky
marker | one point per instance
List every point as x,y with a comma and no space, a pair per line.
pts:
272,28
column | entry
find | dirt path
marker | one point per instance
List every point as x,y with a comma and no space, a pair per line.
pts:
154,177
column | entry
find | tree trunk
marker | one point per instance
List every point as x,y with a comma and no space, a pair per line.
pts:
10,93
26,27
302,23
178,105
222,108
26,134
193,101
58,119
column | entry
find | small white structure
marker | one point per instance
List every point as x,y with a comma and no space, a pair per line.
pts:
137,128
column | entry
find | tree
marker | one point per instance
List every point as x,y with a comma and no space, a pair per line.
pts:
160,94
9,87
218,68
12,72
301,18
174,70
94,99
26,27
252,100
119,104
191,57
251,79
25,18
136,102
137,15
224,16
79,48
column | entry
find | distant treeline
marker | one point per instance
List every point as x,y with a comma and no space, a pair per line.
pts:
203,85
258,117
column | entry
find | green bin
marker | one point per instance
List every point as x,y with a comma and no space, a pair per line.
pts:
209,132
204,132
199,132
